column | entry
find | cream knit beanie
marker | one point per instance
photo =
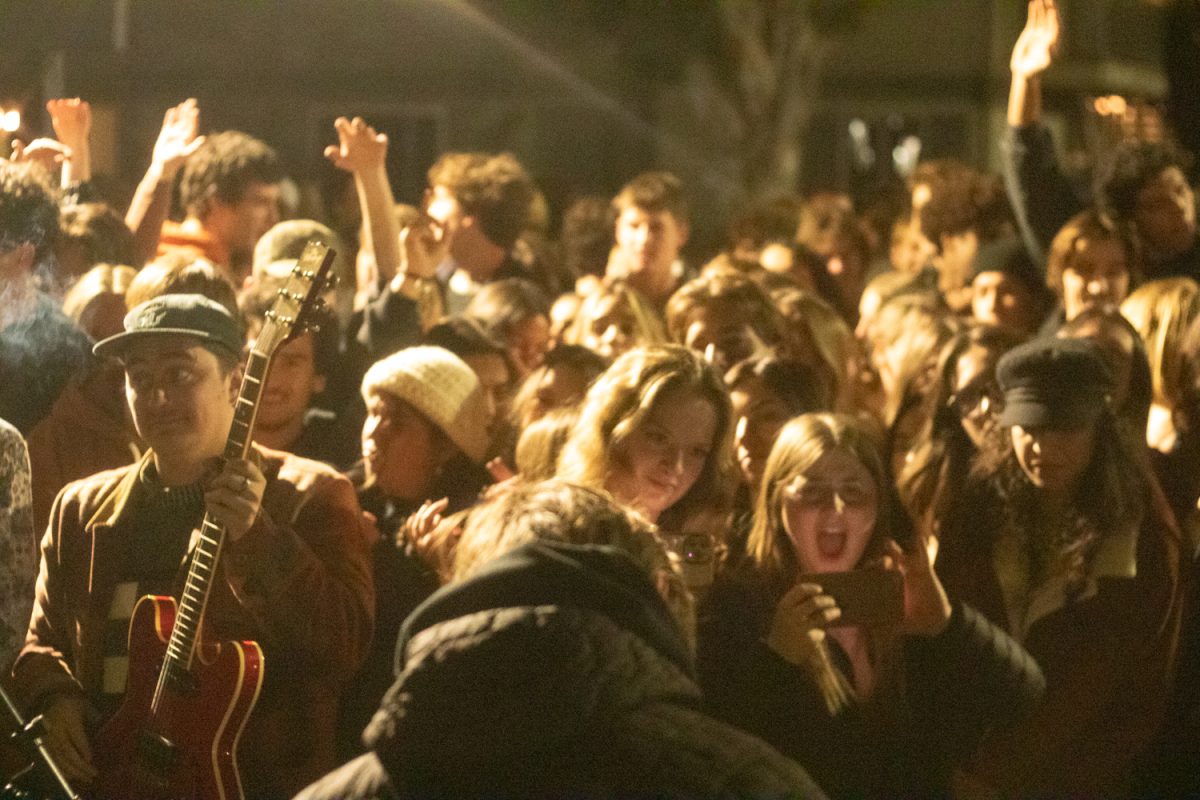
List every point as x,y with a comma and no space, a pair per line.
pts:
441,386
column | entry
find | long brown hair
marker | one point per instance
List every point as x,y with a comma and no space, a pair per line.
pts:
1113,495
770,554
622,397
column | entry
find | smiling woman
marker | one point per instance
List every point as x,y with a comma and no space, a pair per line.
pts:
655,431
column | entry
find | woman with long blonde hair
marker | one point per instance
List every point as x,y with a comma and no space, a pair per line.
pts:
886,706
1162,311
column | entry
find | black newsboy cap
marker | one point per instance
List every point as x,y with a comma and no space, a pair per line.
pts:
178,315
1059,384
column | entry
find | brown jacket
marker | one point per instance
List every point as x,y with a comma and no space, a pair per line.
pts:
75,440
299,582
1108,659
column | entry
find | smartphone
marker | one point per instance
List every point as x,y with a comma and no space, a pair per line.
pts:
868,598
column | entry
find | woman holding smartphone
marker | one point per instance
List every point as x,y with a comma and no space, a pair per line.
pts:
878,708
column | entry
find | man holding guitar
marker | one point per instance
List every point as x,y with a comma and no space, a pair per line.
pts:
293,574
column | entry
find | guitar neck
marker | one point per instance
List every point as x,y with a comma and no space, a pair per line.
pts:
182,645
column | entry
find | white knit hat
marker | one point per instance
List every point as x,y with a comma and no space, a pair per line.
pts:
441,386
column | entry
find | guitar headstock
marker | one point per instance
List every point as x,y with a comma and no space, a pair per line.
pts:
296,302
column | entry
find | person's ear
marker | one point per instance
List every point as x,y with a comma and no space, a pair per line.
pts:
18,262
319,382
685,231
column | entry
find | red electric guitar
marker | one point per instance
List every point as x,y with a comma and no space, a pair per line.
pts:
187,700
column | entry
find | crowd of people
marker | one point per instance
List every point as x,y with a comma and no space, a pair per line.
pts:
851,509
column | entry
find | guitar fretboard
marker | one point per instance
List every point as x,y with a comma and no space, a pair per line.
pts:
182,646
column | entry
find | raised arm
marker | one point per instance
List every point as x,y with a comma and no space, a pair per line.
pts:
1032,54
363,152
1041,196
152,201
72,121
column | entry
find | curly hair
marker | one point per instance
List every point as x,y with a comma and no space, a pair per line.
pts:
962,199
494,189
1133,165
28,208
224,167
1113,494
624,396
100,233
560,511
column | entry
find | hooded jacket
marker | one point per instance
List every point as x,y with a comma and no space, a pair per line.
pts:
555,671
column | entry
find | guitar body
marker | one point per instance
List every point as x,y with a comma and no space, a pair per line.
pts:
186,749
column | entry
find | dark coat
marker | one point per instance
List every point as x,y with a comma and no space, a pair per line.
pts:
1108,658
906,742
557,671
298,583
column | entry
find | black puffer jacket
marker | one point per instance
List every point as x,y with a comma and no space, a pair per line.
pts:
557,671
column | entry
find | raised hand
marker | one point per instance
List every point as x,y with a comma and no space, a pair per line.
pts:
177,138
72,121
798,625
423,246
926,608
1038,42
360,147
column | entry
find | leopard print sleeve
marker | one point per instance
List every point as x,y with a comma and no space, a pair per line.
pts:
18,543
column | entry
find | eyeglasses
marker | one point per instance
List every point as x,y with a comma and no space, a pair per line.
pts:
983,398
817,494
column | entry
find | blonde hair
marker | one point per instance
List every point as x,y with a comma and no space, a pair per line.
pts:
623,397
647,326
728,290
829,334
541,442
555,510
915,327
1162,311
769,549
